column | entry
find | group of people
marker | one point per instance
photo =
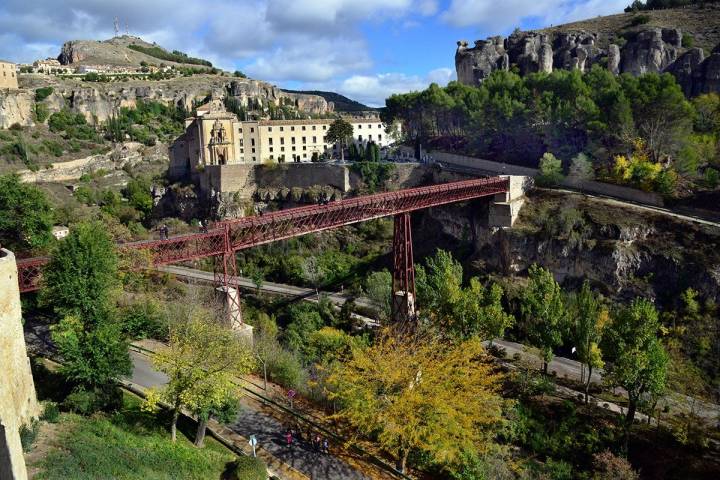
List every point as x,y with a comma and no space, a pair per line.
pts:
318,443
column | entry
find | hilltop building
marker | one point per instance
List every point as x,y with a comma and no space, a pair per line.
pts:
216,137
8,76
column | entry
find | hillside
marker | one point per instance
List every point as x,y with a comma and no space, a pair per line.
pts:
119,51
341,102
703,23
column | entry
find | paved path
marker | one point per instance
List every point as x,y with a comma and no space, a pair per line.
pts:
266,429
251,421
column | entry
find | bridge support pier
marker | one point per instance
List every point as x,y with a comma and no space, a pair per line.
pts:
403,283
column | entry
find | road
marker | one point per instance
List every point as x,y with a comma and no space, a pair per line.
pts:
308,294
251,421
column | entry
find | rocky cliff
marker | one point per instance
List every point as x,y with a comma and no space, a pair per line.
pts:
624,252
636,50
98,101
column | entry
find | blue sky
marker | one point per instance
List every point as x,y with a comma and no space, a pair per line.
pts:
365,49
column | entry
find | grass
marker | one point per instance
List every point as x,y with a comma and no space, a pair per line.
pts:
129,444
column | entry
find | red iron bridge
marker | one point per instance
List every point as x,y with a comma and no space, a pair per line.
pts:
227,237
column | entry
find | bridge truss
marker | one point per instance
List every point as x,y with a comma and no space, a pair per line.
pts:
227,237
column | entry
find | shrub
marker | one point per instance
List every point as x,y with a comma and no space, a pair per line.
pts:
51,412
248,468
145,319
16,127
550,170
42,93
286,369
687,40
41,112
610,467
641,19
712,178
28,434
86,402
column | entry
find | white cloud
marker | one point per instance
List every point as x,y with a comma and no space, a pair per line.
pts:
372,90
490,15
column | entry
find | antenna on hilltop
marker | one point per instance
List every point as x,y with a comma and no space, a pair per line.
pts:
127,29
116,24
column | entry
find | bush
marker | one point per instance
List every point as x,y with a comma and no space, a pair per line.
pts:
28,434
712,178
86,402
42,93
248,468
640,20
16,127
41,112
51,412
550,170
687,40
610,467
286,369
145,319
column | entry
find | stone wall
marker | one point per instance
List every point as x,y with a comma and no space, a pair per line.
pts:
18,403
245,179
16,106
480,165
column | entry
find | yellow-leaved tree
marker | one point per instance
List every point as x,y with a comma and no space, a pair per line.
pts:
203,360
420,394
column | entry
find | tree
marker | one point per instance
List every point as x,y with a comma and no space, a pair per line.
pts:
589,320
396,388
581,169
378,286
313,273
543,311
82,275
460,311
550,170
202,361
640,361
26,217
265,344
80,283
339,132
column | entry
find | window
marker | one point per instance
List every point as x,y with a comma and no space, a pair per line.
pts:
379,138
241,142
253,150
282,140
271,149
271,157
304,155
269,129
252,142
253,159
313,127
370,137
303,127
304,140
314,139
292,129
269,141
324,139
360,126
304,147
292,140
369,126
293,149
240,130
324,127
360,137
252,129
242,150
281,129
282,149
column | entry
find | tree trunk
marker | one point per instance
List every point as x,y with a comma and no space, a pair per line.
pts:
265,376
587,385
173,425
403,459
342,152
200,435
545,367
629,418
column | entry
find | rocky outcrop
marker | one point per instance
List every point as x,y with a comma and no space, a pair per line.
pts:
71,52
16,106
648,50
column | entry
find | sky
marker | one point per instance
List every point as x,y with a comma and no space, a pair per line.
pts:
364,49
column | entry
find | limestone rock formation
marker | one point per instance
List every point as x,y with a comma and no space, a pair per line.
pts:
650,51
647,50
16,106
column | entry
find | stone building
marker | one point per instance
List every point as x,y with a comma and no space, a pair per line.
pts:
216,137
18,403
8,76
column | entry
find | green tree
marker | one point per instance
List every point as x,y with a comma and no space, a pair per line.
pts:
551,173
378,286
589,320
202,361
340,132
543,311
395,388
639,359
82,275
26,217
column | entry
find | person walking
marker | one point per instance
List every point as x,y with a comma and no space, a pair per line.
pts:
325,446
288,438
